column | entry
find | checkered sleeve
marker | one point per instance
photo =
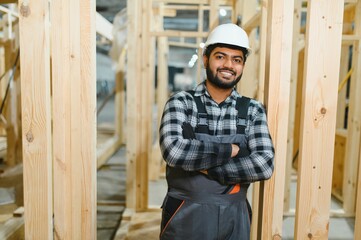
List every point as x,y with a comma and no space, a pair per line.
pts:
188,154
256,166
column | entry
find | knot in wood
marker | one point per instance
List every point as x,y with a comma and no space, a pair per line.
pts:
323,111
30,137
24,10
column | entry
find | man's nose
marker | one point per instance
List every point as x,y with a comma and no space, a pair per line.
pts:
228,63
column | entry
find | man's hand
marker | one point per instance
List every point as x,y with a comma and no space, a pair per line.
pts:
235,150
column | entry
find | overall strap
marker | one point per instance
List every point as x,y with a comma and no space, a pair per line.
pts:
242,108
202,126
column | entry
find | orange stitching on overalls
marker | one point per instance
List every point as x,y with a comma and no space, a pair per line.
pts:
165,227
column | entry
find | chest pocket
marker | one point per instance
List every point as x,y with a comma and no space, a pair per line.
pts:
242,104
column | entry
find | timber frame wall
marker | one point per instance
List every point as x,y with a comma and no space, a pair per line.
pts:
296,75
299,72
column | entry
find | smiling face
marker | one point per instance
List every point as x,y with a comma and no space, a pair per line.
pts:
224,67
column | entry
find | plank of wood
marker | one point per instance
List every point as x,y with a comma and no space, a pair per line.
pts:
132,101
357,77
353,122
357,234
19,212
293,94
277,90
103,27
74,118
318,119
36,118
13,229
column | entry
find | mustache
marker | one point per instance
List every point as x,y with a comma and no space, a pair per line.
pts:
226,69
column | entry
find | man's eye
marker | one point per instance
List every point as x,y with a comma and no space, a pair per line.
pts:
219,57
237,60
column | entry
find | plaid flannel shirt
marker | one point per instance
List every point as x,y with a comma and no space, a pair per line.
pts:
195,155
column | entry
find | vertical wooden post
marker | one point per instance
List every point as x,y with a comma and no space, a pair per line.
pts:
146,95
132,101
260,97
293,94
262,49
357,77
357,234
137,85
200,66
277,89
354,122
36,118
120,98
74,119
213,14
318,119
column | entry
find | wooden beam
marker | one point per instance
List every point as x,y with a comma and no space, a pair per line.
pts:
36,118
277,87
74,118
262,49
9,11
318,119
174,33
293,94
119,99
353,123
220,2
103,27
8,1
13,229
147,102
252,22
184,45
213,14
107,149
133,120
357,234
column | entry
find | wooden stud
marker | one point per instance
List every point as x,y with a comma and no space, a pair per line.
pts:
36,118
293,94
137,114
262,49
74,119
277,87
354,122
146,96
103,27
213,14
120,97
132,100
162,83
318,120
357,234
200,65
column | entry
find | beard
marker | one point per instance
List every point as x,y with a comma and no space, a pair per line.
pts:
215,80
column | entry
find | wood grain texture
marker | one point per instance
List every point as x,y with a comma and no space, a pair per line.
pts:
277,90
318,118
36,118
74,119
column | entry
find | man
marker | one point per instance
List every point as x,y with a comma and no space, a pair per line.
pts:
215,143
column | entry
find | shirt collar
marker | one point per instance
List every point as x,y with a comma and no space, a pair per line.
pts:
201,89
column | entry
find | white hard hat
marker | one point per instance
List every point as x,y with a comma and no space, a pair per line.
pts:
228,33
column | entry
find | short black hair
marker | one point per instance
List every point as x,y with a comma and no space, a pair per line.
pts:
211,47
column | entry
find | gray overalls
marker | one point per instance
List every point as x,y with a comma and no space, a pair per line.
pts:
200,208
